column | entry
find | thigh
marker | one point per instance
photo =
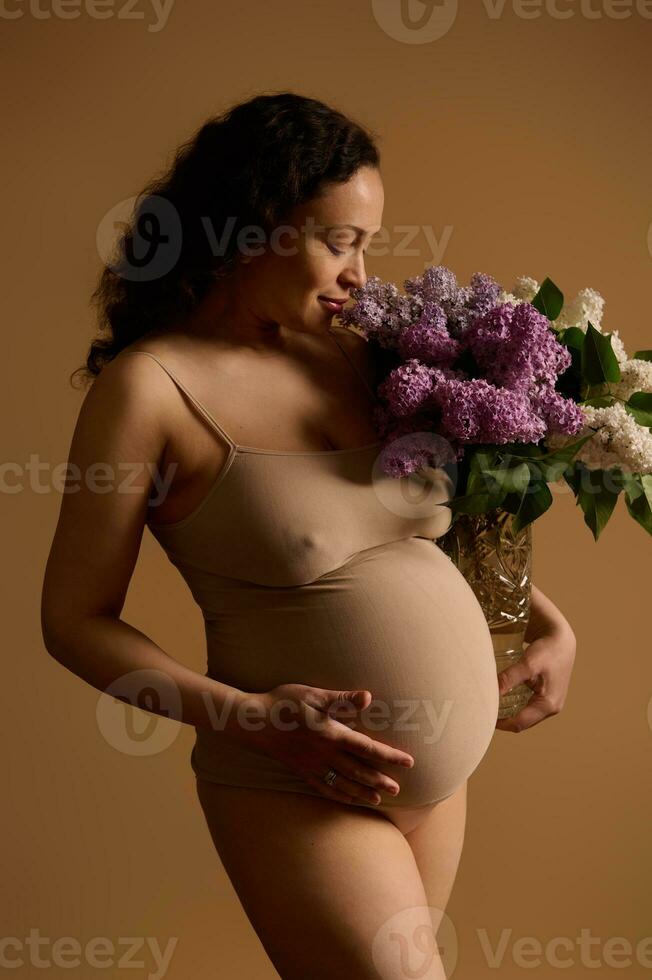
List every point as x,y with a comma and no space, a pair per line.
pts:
406,818
436,843
330,889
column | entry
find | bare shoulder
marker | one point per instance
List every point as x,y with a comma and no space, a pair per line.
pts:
126,413
128,386
360,350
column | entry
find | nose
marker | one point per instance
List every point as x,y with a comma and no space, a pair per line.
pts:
354,275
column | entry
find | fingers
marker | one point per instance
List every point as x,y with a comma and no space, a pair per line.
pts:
530,715
358,772
370,751
330,792
344,789
338,704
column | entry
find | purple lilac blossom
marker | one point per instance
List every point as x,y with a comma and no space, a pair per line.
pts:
462,304
428,339
561,415
476,411
380,311
402,455
437,284
514,346
408,387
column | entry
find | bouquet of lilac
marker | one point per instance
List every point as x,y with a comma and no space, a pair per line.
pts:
519,390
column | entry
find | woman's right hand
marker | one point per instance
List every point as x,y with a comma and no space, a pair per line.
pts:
306,728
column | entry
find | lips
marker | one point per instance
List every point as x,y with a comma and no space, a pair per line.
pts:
334,305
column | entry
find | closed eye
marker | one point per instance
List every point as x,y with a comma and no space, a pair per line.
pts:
339,251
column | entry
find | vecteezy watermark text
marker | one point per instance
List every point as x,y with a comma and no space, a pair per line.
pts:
157,238
425,21
99,953
94,9
98,477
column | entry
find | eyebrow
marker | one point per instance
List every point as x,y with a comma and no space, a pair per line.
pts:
361,231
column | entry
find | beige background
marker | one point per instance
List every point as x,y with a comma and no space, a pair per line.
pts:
530,140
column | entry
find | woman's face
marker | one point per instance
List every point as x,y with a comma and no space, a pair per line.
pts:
317,252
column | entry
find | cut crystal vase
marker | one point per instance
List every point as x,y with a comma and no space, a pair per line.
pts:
497,564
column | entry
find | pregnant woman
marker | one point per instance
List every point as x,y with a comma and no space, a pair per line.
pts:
351,687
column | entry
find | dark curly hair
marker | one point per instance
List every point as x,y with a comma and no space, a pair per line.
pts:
248,166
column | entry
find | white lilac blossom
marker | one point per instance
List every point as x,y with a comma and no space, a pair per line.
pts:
523,291
525,288
588,306
635,375
619,441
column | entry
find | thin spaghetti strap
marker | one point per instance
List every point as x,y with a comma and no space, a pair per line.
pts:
355,368
195,401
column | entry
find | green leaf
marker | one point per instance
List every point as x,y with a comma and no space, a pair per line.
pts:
569,382
572,337
549,470
599,363
565,452
550,465
482,459
573,477
535,501
633,488
642,355
549,300
512,502
598,503
519,450
512,479
639,405
638,498
599,401
474,503
476,483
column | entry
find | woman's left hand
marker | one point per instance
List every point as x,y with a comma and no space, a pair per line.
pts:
545,666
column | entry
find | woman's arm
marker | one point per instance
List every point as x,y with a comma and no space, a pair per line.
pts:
545,618
546,665
95,548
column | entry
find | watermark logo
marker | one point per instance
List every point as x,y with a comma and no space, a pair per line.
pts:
425,21
422,493
408,944
146,732
415,21
155,246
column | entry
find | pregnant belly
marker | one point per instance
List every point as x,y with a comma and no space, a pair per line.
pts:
398,620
